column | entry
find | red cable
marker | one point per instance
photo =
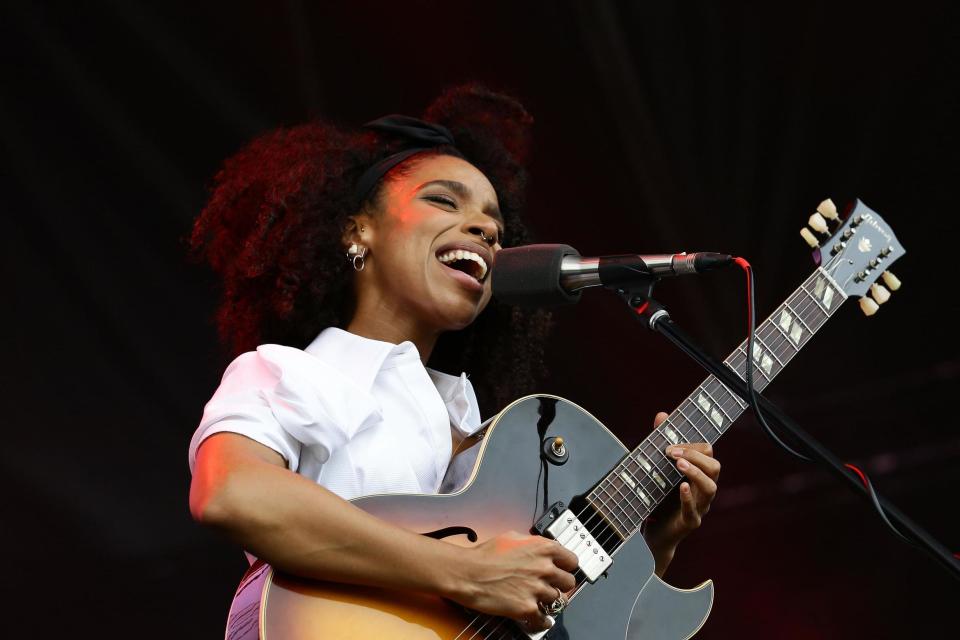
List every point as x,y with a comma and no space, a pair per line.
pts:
746,267
863,476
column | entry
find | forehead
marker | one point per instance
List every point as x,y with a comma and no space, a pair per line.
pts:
442,167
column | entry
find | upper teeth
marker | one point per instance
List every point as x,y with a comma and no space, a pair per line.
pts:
460,254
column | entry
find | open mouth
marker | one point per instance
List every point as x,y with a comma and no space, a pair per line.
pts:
466,262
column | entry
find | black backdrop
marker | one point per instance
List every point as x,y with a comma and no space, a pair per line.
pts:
660,127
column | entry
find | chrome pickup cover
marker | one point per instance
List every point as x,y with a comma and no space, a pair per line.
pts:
570,532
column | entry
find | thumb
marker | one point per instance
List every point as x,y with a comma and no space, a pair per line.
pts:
658,420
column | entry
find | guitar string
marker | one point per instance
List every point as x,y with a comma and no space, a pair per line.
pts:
805,304
777,342
809,301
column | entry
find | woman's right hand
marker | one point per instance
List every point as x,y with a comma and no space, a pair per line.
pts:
509,575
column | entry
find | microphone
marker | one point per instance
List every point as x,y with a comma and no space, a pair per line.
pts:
553,274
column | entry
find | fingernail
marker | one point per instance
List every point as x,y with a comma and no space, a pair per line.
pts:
683,464
677,453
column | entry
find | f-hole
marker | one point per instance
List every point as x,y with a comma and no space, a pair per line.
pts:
446,532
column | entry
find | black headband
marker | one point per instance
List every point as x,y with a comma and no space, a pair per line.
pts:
422,135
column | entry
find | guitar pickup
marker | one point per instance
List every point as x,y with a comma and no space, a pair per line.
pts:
570,532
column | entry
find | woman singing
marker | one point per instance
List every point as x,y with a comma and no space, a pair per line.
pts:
350,259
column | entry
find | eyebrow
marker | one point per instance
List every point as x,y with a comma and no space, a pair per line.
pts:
462,191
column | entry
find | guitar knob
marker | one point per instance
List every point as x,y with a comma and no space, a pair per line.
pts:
811,239
892,281
879,292
827,209
818,224
868,306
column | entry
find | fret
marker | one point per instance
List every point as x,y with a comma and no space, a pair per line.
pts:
628,505
815,313
608,514
636,487
810,314
772,333
705,407
803,288
646,476
818,317
743,348
782,331
670,433
769,350
703,438
743,405
703,389
797,316
644,486
719,391
622,500
699,410
657,455
648,469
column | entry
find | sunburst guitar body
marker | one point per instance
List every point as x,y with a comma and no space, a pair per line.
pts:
511,482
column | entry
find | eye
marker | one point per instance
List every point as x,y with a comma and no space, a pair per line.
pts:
442,199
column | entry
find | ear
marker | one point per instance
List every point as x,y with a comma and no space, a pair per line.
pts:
357,230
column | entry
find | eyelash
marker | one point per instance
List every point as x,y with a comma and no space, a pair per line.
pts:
450,202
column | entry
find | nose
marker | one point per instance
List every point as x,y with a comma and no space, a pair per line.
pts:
486,229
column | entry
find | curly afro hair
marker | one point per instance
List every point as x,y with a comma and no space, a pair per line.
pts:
272,231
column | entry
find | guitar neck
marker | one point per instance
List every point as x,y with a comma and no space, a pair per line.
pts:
644,478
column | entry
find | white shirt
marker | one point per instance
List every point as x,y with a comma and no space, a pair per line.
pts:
356,415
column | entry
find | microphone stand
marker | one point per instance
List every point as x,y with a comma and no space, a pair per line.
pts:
638,296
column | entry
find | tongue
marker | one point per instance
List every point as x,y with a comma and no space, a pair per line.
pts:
465,266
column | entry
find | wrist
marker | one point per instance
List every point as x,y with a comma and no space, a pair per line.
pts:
452,575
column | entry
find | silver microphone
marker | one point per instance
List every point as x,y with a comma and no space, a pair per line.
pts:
552,274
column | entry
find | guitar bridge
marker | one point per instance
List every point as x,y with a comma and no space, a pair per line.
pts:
570,532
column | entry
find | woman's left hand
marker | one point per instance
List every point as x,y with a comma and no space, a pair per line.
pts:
673,522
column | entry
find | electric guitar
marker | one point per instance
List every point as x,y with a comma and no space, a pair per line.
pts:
546,465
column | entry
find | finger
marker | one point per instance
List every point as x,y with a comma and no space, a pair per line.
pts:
710,466
564,558
703,483
562,580
688,506
536,621
703,447
659,419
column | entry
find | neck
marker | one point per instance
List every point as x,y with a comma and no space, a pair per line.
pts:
388,326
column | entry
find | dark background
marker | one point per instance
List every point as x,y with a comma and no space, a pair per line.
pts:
661,126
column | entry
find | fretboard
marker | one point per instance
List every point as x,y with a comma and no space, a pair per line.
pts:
634,488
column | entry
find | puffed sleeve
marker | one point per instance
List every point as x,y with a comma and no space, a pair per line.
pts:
288,400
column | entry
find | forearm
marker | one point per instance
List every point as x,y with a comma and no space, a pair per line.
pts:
304,529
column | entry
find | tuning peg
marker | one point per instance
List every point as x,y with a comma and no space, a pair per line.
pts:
811,239
817,223
827,209
892,281
868,306
879,292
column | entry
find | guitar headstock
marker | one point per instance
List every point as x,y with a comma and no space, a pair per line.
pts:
858,252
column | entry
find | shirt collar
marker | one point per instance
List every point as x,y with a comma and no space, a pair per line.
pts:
359,358
461,401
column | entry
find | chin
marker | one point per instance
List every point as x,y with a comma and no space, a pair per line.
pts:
460,314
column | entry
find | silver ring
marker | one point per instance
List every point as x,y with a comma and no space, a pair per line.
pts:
559,604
